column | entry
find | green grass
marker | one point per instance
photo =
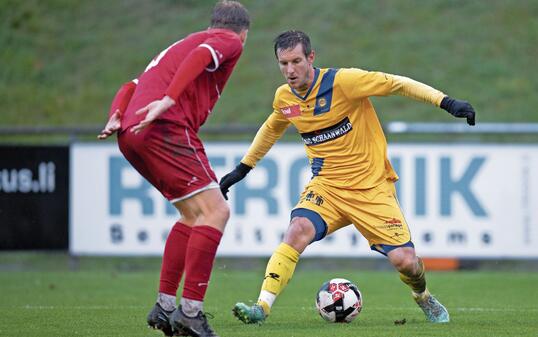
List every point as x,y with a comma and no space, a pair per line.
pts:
49,295
63,60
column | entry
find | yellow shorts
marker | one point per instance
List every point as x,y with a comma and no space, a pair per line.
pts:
375,213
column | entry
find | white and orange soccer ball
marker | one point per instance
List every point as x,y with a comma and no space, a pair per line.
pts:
339,301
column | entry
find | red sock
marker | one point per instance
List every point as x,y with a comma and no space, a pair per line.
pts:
174,258
201,252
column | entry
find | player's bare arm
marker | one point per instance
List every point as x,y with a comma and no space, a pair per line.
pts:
152,111
113,125
117,108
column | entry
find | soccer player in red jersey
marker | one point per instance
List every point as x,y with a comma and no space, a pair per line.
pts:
157,117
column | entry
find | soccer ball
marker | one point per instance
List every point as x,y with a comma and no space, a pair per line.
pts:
339,301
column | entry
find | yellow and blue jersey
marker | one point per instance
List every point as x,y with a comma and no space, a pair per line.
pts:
342,135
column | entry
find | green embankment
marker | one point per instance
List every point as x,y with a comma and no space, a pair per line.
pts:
62,60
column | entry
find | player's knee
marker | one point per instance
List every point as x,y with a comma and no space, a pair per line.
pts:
300,232
405,263
302,226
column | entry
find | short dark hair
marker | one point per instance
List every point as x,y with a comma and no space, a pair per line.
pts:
230,15
290,39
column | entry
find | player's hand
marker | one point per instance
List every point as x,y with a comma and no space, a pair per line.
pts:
236,175
152,111
457,108
113,125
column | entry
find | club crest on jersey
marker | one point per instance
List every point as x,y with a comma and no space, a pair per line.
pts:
322,102
291,111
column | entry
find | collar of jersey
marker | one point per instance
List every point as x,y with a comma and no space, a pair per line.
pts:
316,75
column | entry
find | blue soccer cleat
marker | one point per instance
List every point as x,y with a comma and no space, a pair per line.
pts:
249,315
433,309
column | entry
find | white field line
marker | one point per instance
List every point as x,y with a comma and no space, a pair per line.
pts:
369,308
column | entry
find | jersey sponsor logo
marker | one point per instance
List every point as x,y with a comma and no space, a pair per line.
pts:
324,135
291,111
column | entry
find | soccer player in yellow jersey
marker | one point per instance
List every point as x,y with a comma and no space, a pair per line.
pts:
352,179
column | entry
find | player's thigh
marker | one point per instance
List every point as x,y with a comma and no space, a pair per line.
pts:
128,146
376,213
321,208
404,259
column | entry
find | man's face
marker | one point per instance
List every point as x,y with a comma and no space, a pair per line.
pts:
296,67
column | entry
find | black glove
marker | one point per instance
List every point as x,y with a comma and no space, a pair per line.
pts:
237,174
457,108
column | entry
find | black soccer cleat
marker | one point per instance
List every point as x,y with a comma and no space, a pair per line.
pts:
193,326
158,318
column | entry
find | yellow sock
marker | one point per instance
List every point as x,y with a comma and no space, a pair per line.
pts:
279,271
416,282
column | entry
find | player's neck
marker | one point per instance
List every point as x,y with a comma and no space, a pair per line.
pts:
309,79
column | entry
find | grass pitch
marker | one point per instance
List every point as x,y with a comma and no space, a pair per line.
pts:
110,297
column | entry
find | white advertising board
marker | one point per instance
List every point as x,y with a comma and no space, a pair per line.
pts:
462,200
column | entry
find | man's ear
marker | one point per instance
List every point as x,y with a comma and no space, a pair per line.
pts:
311,57
243,35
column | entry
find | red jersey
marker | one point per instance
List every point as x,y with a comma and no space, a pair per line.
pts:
198,99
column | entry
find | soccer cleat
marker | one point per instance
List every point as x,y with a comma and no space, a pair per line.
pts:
249,315
192,326
433,309
158,319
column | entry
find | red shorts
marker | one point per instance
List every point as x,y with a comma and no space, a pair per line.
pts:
171,157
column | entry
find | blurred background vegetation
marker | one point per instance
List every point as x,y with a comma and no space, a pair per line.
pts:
62,61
